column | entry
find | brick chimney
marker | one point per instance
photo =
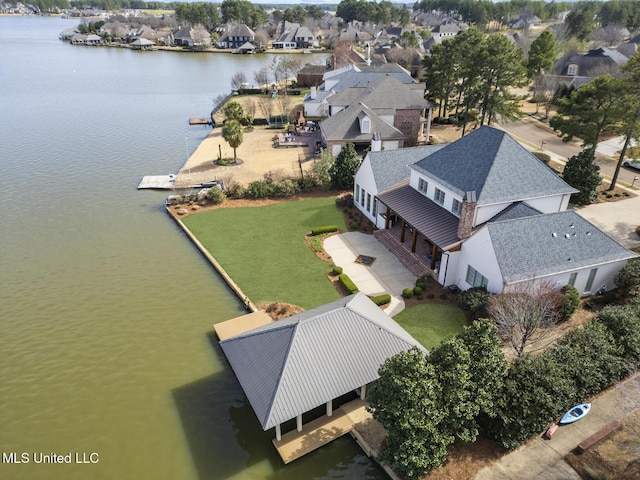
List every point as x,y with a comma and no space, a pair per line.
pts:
467,213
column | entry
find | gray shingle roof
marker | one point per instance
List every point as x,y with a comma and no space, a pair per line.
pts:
345,126
515,210
385,92
495,166
392,166
294,365
526,247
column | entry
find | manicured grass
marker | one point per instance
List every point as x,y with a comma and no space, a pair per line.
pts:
430,323
263,249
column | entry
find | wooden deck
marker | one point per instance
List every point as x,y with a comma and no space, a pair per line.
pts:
241,324
321,431
158,182
199,121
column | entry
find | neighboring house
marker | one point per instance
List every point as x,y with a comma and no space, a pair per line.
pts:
575,69
315,104
395,111
525,22
448,30
488,213
115,30
294,36
291,366
246,48
182,37
237,36
91,40
67,34
311,75
142,44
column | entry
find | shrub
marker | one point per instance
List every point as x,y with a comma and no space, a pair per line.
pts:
337,270
422,283
308,184
418,290
260,189
381,299
407,293
325,229
570,301
216,195
285,188
347,283
475,299
628,277
353,226
237,191
429,296
546,158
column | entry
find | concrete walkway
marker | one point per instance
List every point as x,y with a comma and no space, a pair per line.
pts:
385,275
617,219
544,459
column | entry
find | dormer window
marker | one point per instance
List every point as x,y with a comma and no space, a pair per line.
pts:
456,208
439,196
422,186
572,69
365,123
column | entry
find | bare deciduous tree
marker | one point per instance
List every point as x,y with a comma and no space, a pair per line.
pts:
265,105
237,80
201,37
525,314
261,78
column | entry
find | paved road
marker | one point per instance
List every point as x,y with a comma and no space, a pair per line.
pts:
534,132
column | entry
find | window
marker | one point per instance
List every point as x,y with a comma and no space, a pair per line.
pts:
357,193
572,278
572,69
368,202
422,186
362,197
375,207
592,277
366,126
475,279
439,196
457,207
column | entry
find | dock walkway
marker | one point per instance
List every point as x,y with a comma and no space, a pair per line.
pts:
241,324
321,431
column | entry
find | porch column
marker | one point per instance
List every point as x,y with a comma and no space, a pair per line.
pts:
404,227
299,422
414,240
386,219
329,408
363,391
278,433
434,252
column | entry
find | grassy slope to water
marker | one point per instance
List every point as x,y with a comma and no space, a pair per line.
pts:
263,249
431,323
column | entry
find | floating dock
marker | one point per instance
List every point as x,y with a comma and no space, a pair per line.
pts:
167,182
199,121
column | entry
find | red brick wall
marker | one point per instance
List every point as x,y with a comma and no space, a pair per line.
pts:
408,122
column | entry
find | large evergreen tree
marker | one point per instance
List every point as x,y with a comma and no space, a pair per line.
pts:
541,54
589,110
344,168
580,172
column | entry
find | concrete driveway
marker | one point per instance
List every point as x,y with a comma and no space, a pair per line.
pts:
385,275
618,219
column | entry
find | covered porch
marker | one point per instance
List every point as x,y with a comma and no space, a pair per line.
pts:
417,230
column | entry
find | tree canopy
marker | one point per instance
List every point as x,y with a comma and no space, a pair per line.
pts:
344,168
582,173
232,133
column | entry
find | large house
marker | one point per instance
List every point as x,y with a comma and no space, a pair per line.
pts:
483,211
383,110
575,69
294,36
237,36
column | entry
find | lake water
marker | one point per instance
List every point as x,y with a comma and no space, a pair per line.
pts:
106,309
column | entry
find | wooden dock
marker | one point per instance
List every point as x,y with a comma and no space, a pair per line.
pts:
321,431
241,324
158,182
199,121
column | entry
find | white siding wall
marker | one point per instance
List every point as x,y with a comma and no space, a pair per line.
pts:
431,190
365,181
478,252
336,149
313,108
548,204
485,213
387,118
391,145
604,277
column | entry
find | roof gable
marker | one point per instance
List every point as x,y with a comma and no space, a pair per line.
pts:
345,125
495,166
294,365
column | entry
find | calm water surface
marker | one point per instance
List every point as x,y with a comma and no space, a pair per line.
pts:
105,308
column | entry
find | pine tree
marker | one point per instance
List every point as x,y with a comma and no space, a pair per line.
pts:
581,173
344,168
541,54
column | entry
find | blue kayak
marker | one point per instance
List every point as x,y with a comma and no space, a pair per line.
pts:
575,413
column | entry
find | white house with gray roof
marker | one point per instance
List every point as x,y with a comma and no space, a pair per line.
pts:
490,214
294,365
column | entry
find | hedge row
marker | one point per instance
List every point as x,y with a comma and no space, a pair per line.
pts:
325,229
381,299
348,284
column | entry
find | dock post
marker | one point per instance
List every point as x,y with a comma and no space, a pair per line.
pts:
299,422
278,433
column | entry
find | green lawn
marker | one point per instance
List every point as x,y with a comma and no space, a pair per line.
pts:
263,249
430,323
